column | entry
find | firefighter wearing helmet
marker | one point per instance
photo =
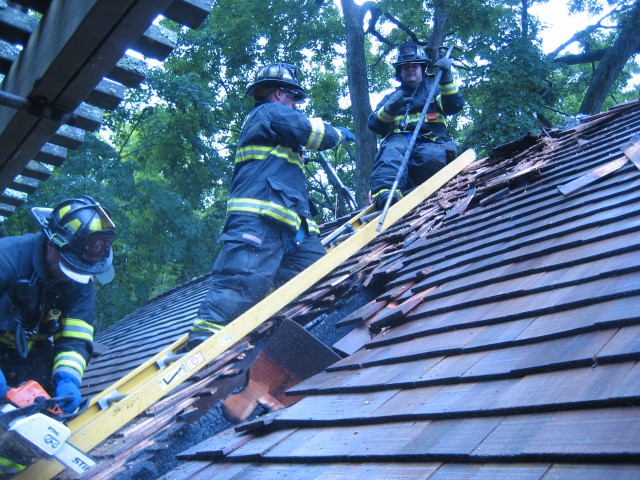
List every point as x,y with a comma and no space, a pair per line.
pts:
269,234
47,297
397,115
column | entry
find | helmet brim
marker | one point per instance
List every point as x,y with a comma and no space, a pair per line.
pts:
73,274
85,267
106,276
275,84
102,277
41,215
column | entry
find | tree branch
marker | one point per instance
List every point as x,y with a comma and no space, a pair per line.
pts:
376,13
578,36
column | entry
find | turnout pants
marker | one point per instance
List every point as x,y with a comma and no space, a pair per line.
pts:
258,254
425,160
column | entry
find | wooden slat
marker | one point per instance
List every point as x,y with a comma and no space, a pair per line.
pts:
573,471
514,239
51,154
189,12
68,137
107,94
24,185
129,71
500,363
12,200
579,183
6,210
37,171
563,433
157,42
530,305
574,388
420,339
631,150
520,437
16,26
216,447
8,54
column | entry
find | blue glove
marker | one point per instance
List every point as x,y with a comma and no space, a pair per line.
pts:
3,387
68,386
346,135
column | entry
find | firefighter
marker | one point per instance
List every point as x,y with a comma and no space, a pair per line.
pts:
47,297
269,235
397,115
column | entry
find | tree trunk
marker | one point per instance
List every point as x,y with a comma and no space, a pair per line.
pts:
612,63
359,94
439,32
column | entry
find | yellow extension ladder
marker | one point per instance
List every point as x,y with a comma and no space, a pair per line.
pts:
114,408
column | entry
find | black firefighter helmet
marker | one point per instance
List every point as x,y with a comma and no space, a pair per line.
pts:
276,75
82,231
410,52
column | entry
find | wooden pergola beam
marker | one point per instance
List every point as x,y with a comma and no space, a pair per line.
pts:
77,43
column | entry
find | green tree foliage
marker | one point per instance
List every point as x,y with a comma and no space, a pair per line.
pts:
503,109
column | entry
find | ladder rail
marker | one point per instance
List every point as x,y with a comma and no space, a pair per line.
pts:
149,383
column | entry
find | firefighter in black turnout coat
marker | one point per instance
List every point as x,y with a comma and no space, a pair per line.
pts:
397,115
269,235
47,297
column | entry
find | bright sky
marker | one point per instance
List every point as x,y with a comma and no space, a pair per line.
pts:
560,25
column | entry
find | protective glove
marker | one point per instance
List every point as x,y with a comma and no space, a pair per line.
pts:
346,135
417,102
3,387
67,385
396,102
445,65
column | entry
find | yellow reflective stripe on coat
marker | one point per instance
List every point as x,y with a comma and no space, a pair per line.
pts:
448,89
70,359
378,193
9,340
317,134
432,117
260,207
200,325
262,152
75,328
385,116
312,226
9,466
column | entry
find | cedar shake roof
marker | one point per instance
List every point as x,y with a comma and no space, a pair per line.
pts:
494,331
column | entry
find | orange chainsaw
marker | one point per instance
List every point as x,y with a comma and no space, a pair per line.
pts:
29,429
